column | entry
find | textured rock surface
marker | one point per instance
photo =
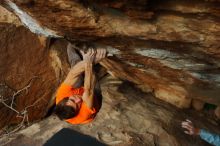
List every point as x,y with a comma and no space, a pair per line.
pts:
168,49
8,17
128,117
24,59
174,45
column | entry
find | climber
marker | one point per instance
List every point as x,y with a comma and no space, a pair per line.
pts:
211,138
75,102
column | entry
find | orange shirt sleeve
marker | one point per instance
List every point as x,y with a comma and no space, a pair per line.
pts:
84,116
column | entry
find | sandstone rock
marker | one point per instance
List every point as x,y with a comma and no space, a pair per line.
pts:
167,48
8,17
24,60
178,47
127,117
174,95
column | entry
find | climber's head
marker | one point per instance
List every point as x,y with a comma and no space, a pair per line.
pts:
68,107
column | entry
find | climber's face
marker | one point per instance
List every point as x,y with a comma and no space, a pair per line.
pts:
75,101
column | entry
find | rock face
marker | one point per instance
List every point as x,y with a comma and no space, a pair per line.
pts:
8,17
25,66
168,49
128,117
171,46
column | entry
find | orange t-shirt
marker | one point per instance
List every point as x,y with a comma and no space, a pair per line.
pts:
85,114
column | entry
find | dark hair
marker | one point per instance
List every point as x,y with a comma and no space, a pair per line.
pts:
64,111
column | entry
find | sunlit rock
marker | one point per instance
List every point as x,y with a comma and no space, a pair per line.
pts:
163,56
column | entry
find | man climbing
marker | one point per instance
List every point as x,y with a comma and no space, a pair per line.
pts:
75,102
211,138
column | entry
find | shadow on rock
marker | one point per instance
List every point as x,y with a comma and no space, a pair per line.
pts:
68,137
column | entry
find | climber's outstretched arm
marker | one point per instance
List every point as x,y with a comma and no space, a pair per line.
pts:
89,82
89,85
75,71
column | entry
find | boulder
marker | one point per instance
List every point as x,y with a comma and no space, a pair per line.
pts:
27,71
127,117
163,49
164,43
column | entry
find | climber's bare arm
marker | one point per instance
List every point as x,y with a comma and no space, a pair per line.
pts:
73,75
89,81
75,71
89,85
